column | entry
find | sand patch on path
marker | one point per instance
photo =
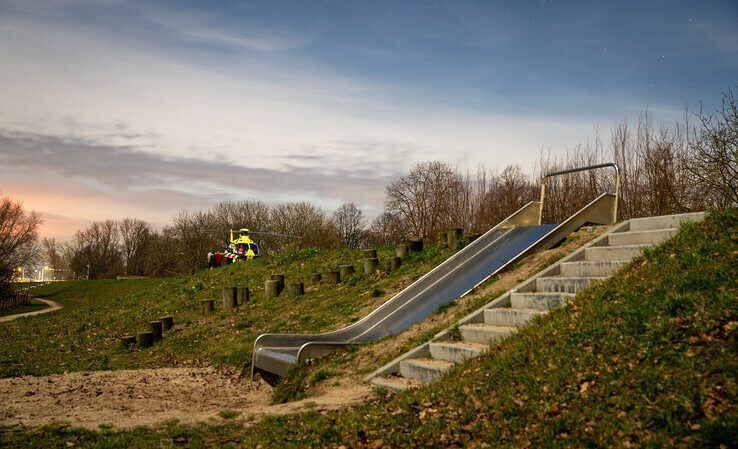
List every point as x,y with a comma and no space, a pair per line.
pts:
146,397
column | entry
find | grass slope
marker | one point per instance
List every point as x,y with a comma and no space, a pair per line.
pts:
646,359
84,334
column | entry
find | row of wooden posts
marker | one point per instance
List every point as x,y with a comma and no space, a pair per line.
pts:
232,297
153,335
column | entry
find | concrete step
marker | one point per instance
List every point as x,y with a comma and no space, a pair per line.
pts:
564,284
664,221
605,253
652,237
590,269
540,300
484,333
395,383
455,351
511,317
424,370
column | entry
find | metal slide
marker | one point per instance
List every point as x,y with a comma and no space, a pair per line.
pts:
512,239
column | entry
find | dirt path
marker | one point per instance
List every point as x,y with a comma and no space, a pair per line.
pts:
147,397
52,307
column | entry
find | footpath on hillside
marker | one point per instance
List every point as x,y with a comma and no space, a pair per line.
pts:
51,306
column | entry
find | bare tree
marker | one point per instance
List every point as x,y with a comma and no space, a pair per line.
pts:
423,197
349,221
161,257
95,251
386,229
53,257
18,234
509,191
713,151
192,238
304,220
135,235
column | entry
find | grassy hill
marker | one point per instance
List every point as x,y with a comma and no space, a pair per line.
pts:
84,334
647,359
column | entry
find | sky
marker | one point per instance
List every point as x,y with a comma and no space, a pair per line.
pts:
113,109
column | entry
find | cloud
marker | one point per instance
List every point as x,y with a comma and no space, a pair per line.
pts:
325,179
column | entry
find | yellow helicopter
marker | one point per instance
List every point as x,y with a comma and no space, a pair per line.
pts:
240,248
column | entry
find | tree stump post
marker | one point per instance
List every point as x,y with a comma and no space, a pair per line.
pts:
442,239
207,306
280,280
395,263
243,294
370,253
166,322
229,298
370,265
145,339
156,330
401,250
317,277
333,277
271,289
295,289
346,271
416,244
454,237
128,341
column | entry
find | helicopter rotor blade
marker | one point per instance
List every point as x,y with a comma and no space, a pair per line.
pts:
275,234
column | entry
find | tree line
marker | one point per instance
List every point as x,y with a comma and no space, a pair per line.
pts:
687,166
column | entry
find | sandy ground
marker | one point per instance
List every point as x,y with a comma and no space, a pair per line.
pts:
147,397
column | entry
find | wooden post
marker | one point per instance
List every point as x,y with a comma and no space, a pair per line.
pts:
229,298
370,265
207,306
395,263
370,253
416,244
454,236
401,250
166,322
333,277
145,339
128,341
156,330
280,279
317,277
295,289
243,294
346,271
442,239
271,289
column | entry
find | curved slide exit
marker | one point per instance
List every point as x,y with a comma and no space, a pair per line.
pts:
515,237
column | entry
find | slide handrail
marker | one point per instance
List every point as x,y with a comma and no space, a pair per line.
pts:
578,169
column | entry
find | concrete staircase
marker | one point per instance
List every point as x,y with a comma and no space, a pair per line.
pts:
551,288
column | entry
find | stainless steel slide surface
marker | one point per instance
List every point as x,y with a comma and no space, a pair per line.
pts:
455,277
